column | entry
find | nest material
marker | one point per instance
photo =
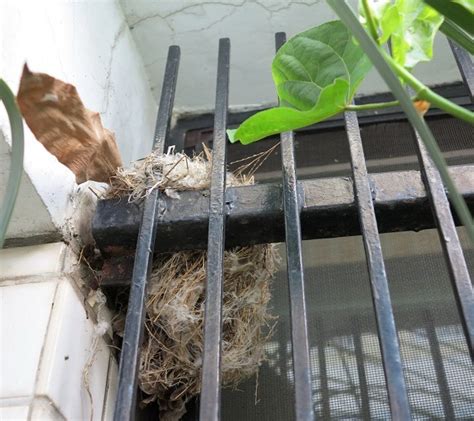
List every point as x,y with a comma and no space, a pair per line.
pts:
171,355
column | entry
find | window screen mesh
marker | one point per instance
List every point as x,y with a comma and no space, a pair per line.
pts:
348,378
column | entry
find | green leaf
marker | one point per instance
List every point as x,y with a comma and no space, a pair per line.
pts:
461,12
332,100
457,34
316,74
467,4
386,17
413,39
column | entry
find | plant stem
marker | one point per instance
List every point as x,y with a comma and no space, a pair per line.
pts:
374,105
370,21
16,166
423,92
378,58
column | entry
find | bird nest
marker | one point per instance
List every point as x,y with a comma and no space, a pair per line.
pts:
171,354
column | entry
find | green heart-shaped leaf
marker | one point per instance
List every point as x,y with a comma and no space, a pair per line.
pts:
316,74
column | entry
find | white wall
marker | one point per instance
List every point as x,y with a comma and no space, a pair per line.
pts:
48,341
197,25
88,44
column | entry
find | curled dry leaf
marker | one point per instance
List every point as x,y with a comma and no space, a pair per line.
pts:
57,117
422,106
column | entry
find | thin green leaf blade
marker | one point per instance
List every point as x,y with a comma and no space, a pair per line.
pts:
457,34
467,4
16,167
460,12
332,100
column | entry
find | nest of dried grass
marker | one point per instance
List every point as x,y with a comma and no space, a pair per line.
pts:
171,355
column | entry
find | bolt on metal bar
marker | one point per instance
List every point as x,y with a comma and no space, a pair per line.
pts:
134,323
466,68
294,256
388,340
210,405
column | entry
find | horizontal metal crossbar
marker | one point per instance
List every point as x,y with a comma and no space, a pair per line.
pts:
255,213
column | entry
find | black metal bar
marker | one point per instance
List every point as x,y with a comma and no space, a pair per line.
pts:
294,257
388,339
323,371
452,249
364,391
134,323
466,68
438,364
255,213
210,403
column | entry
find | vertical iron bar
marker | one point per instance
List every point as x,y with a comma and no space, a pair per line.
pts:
323,372
466,68
299,328
387,332
364,391
210,404
134,323
438,364
452,249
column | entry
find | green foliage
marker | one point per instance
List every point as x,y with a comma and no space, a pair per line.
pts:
411,25
412,41
385,15
316,74
461,12
457,34
467,4
16,167
458,20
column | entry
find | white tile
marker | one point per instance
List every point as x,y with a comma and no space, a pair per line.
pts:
112,387
44,410
10,413
67,350
42,259
25,311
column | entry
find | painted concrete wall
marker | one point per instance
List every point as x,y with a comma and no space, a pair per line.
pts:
197,25
88,44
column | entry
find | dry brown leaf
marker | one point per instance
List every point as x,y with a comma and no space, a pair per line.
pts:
57,117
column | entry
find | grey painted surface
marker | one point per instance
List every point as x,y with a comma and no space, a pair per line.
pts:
196,26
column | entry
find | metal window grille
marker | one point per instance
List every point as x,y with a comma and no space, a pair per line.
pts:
291,210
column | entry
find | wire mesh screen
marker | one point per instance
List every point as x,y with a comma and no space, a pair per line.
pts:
347,374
